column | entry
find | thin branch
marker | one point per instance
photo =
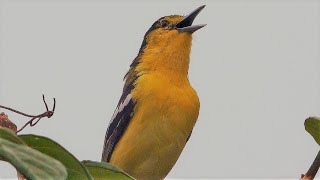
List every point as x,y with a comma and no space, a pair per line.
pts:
311,173
18,112
35,118
45,103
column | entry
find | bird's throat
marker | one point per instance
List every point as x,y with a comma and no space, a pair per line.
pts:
172,56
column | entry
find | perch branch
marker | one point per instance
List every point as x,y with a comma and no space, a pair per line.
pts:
35,118
311,173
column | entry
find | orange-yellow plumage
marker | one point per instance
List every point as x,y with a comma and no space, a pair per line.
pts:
166,111
165,106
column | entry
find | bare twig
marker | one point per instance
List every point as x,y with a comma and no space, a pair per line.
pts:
313,169
35,118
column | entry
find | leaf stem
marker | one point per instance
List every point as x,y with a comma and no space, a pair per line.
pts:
311,173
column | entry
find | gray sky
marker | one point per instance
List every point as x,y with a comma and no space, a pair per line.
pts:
255,67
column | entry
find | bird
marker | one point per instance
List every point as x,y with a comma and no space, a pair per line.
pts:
158,107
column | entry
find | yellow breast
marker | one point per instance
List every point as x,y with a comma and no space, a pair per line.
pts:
166,110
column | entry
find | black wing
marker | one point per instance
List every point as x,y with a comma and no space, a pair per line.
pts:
119,123
124,112
122,115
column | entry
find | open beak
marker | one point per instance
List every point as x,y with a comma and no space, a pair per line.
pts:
185,25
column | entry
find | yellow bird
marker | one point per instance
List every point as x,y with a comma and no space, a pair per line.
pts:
158,107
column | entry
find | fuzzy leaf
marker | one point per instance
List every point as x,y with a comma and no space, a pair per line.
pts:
102,170
31,163
312,126
9,135
76,170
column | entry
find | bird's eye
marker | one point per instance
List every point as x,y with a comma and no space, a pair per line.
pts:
164,23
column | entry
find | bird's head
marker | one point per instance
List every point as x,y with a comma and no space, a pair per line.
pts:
169,39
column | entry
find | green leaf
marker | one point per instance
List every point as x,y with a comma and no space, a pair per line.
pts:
31,163
9,135
76,170
102,170
312,126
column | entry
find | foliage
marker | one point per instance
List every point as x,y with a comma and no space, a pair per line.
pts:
38,157
312,126
102,170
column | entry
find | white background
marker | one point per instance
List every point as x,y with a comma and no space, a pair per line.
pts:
255,66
